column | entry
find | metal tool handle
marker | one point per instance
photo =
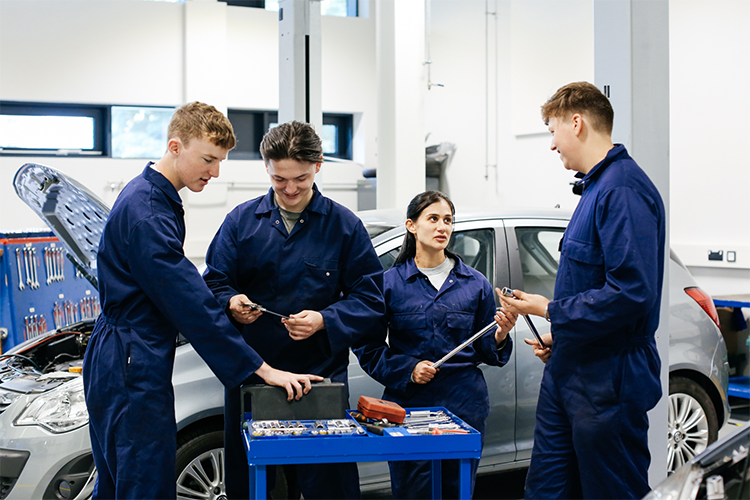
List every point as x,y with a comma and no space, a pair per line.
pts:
460,348
260,308
508,292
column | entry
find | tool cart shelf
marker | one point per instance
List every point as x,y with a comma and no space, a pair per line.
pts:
395,444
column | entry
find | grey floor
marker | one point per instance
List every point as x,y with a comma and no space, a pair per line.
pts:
509,485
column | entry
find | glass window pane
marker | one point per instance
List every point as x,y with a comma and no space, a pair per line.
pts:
538,249
330,137
139,132
46,132
334,7
327,7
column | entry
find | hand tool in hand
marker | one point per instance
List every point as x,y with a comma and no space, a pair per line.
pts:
260,308
508,292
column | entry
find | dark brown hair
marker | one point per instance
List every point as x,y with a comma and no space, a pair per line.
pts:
292,141
413,211
584,98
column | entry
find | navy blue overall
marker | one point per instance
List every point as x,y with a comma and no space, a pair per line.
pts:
591,436
425,324
149,292
327,264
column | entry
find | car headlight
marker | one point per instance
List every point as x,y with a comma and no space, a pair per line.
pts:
60,410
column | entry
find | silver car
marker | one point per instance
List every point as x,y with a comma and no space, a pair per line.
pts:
44,440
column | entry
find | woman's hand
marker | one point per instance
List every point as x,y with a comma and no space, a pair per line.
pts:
505,323
423,372
239,306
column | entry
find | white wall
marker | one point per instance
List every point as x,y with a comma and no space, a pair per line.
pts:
134,52
710,170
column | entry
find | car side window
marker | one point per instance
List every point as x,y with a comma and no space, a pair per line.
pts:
540,255
476,248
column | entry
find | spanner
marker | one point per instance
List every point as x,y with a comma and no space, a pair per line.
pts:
34,269
62,265
18,261
27,266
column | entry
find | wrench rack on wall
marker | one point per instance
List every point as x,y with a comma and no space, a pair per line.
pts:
40,288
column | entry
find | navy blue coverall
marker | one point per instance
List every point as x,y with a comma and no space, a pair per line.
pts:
425,324
327,264
591,436
149,292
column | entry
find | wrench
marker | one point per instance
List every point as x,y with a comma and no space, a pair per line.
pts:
34,270
62,265
26,266
18,262
46,264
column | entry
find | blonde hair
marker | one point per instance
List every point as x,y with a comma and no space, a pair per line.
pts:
197,120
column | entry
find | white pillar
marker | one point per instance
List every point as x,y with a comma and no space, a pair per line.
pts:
631,63
402,84
300,62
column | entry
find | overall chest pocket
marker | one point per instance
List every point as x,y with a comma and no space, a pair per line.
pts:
409,321
584,265
320,281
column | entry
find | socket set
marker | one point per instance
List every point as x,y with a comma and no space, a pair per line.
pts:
34,325
304,428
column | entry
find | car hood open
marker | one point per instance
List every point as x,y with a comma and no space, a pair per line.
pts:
74,213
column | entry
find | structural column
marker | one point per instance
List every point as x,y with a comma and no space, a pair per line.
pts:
402,84
631,65
300,62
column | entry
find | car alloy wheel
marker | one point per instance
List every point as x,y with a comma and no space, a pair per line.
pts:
692,423
200,466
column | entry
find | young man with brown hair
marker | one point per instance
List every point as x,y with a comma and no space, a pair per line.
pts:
298,253
602,372
150,292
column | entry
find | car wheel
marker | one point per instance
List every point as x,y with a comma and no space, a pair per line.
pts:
692,425
200,465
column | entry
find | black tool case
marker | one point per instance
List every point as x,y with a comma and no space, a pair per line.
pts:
326,400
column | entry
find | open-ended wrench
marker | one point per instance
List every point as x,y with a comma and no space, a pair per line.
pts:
18,262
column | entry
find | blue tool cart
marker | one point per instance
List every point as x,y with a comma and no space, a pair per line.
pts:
40,288
739,386
275,442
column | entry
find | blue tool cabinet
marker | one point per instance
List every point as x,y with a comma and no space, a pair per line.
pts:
395,444
40,288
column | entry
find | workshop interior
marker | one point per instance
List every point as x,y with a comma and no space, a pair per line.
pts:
407,96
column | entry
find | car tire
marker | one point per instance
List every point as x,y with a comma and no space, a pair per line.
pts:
200,468
200,465
692,422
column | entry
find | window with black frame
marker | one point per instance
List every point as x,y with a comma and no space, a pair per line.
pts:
53,129
251,126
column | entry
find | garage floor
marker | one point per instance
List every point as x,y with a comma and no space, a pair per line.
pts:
509,485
